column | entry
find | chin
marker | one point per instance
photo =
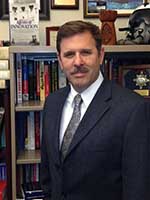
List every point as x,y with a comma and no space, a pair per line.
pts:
80,88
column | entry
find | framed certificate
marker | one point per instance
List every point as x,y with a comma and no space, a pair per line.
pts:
65,4
51,33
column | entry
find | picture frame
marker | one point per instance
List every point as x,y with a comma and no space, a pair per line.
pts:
65,4
44,11
92,7
136,78
51,33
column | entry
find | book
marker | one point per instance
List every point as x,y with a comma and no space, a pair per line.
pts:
24,22
4,65
32,190
21,130
42,87
25,79
54,75
3,190
4,53
4,74
37,129
37,67
19,78
2,111
31,131
46,79
31,79
3,173
2,84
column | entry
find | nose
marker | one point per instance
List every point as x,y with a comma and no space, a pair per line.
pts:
78,60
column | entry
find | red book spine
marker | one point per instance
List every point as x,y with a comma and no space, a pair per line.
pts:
46,79
37,80
3,186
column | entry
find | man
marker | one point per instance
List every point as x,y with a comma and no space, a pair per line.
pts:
107,155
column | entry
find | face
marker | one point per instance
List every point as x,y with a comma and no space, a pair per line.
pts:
80,60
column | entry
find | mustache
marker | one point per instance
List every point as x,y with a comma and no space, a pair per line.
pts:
79,69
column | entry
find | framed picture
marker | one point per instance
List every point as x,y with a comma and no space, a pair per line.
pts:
65,4
123,7
51,33
136,78
44,11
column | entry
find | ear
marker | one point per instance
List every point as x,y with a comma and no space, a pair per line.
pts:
102,55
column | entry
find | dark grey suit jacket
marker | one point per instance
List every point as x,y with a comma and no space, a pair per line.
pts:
109,156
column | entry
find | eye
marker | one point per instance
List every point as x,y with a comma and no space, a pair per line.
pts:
86,52
69,54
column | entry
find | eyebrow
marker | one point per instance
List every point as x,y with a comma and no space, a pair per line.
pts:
81,50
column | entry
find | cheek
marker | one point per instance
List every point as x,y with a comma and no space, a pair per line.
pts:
66,65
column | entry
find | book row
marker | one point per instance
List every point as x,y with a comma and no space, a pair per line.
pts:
36,77
28,130
27,174
30,173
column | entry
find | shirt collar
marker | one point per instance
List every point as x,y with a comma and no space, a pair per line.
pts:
88,94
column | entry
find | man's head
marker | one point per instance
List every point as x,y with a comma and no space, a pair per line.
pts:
80,53
72,28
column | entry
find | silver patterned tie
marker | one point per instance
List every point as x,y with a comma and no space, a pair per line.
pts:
72,126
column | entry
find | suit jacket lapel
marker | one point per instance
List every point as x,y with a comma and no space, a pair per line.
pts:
56,129
98,107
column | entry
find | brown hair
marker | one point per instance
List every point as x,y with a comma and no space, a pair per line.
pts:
72,28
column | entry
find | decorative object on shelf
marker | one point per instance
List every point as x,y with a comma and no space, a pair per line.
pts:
123,7
51,33
65,4
138,30
141,80
108,17
4,43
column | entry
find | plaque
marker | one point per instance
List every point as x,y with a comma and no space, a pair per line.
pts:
136,78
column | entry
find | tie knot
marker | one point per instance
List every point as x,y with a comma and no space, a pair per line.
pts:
77,100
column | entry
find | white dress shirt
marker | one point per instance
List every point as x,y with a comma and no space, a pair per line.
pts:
87,96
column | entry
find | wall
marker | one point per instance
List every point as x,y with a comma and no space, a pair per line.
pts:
58,17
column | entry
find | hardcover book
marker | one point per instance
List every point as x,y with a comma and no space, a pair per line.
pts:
32,190
3,191
24,22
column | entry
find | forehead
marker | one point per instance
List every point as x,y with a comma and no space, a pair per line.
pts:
80,40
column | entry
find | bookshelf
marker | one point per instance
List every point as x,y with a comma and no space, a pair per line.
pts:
25,157
5,131
129,65
28,156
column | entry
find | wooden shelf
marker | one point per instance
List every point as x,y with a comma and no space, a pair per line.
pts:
30,106
126,48
29,157
31,49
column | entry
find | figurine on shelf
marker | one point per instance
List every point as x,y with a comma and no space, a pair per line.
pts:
108,17
138,31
